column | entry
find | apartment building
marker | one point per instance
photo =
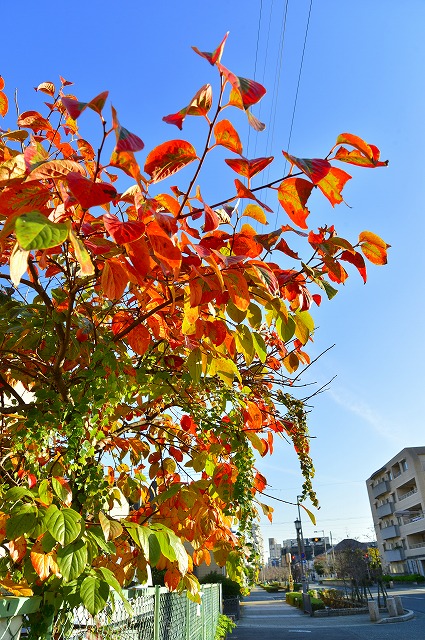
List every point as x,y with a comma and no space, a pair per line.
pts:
397,501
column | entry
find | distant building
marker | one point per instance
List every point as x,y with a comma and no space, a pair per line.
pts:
275,553
397,500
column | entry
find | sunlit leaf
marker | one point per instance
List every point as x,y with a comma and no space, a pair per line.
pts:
373,247
125,140
250,91
126,161
89,193
33,120
46,87
163,247
63,524
114,279
198,106
215,56
18,264
82,255
244,192
332,184
72,560
238,289
309,513
122,232
94,593
35,231
227,136
248,168
168,158
293,194
55,169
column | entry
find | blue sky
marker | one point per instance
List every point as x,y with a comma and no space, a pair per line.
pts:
363,73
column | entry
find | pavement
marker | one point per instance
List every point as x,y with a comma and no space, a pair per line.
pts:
266,616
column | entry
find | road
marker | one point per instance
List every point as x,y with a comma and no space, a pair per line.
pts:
266,616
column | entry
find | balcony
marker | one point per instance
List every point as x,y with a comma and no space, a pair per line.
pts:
390,532
381,488
417,545
394,555
385,509
408,494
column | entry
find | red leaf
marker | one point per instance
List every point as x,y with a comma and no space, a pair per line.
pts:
126,141
74,107
114,279
164,249
24,197
33,120
249,168
293,194
227,136
88,193
215,56
122,232
198,106
250,91
357,260
56,169
282,245
357,158
316,169
211,219
168,158
243,192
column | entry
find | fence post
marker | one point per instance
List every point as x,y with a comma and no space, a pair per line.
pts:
156,613
187,617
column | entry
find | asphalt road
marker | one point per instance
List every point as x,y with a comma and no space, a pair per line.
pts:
267,617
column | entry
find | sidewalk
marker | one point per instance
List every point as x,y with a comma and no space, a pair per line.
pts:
266,616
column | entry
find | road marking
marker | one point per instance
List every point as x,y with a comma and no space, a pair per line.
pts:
298,631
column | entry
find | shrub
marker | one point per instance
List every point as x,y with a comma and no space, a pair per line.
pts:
224,626
229,587
414,577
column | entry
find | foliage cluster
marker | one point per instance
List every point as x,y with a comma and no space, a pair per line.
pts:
413,577
224,626
150,341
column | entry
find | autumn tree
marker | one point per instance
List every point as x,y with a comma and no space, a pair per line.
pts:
149,339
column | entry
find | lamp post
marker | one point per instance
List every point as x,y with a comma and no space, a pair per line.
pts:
301,552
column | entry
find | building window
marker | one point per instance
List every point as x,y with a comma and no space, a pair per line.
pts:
403,465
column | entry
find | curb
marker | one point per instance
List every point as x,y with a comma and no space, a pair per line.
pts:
408,615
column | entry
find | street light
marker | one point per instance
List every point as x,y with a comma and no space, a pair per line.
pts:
301,553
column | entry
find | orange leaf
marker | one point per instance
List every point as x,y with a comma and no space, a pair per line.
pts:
138,252
163,247
139,339
17,548
373,247
357,158
4,104
255,212
332,185
46,87
126,161
56,169
238,289
33,120
85,149
249,168
125,140
18,589
357,260
168,158
114,279
89,193
40,560
169,203
254,416
293,194
227,136
355,141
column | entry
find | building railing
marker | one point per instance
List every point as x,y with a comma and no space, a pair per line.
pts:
157,615
417,545
409,493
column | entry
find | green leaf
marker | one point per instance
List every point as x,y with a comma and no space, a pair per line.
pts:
64,525
95,534
140,535
23,520
171,546
194,364
113,582
254,316
35,231
259,346
17,493
154,549
94,593
285,328
72,560
234,313
226,370
245,343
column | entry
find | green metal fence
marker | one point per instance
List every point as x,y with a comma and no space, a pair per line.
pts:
157,615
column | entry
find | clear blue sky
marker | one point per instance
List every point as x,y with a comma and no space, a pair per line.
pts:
363,73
